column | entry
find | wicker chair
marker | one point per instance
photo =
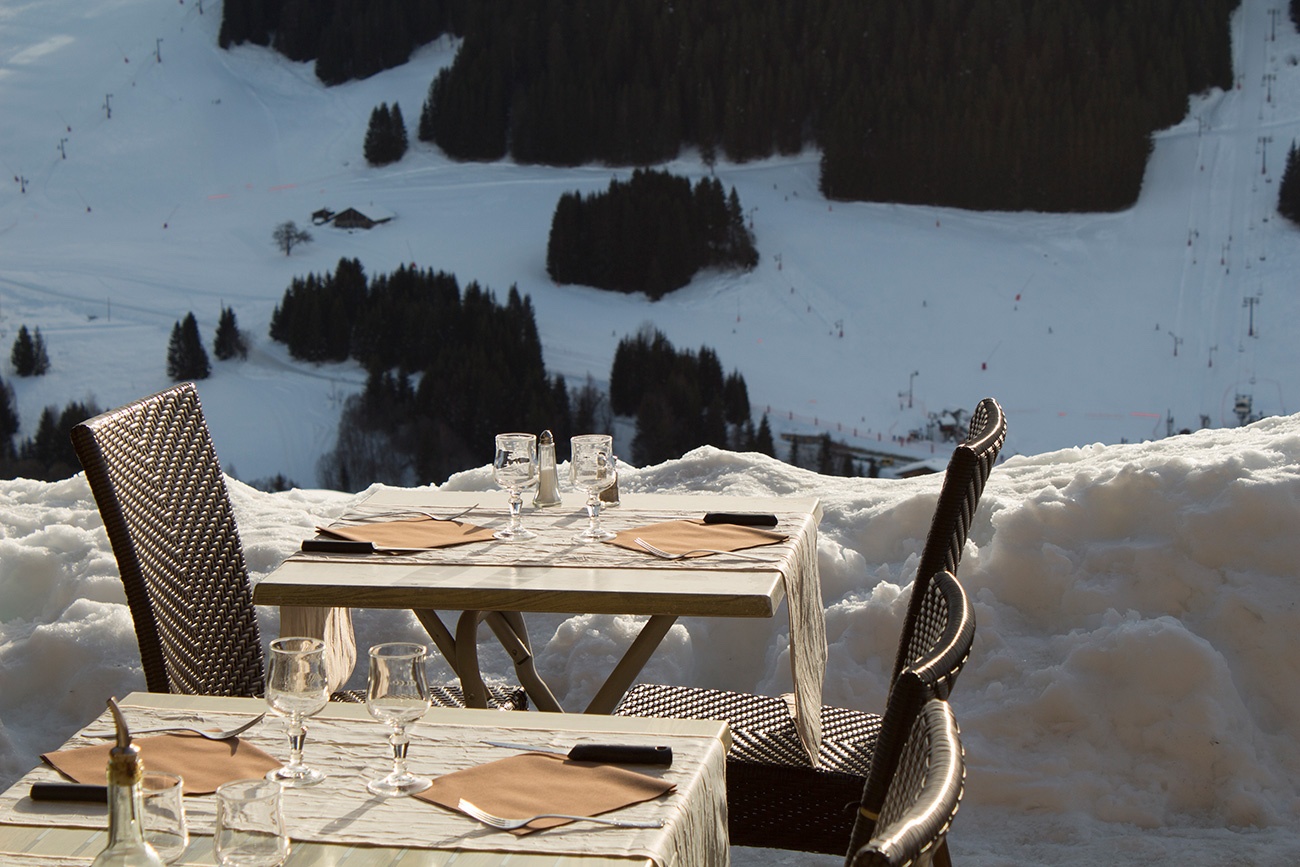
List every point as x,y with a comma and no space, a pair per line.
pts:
917,796
775,798
162,496
963,485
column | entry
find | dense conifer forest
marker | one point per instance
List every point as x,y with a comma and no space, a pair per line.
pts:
680,399
347,38
650,234
985,104
449,367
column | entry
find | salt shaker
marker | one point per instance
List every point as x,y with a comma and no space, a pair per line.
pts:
548,480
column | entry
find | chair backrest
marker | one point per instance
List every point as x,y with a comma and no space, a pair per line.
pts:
948,629
939,642
163,499
963,483
921,797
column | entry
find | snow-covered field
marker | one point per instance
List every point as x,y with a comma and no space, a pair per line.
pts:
1072,321
1130,696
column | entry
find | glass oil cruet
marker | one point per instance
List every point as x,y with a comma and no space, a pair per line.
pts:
126,844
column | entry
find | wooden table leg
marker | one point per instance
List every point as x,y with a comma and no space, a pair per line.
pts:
508,626
440,634
638,654
511,632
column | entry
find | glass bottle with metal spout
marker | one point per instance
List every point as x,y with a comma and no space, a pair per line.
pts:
127,846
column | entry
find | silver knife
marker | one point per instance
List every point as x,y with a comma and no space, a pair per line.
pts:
619,754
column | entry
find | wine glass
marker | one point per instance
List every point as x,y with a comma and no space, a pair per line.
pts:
250,824
397,695
515,468
296,688
592,469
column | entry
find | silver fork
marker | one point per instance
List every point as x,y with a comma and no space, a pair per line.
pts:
388,512
660,552
210,735
512,824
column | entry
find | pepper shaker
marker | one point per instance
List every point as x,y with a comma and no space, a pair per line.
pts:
548,480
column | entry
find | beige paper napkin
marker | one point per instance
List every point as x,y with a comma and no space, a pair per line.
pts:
678,537
533,783
204,764
411,533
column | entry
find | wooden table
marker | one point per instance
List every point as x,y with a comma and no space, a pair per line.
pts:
499,581
33,833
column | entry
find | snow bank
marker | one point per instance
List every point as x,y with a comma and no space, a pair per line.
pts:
1130,694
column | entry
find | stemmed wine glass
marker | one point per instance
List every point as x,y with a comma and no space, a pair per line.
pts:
592,469
397,695
296,688
515,468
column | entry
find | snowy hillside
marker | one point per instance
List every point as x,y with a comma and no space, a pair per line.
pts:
1072,321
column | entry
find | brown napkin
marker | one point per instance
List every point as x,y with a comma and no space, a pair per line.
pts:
204,764
411,533
533,783
678,537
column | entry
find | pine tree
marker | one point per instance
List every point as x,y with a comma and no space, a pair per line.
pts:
186,357
763,439
23,356
1288,192
398,141
825,458
41,361
28,355
378,147
229,341
8,422
43,446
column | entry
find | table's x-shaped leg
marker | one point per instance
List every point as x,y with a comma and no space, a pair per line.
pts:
461,651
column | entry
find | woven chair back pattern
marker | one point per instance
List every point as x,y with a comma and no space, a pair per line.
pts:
941,636
159,486
923,794
963,485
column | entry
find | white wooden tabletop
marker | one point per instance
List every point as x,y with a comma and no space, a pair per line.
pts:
524,576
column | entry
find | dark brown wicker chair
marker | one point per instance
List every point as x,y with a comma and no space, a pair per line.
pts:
775,798
914,794
163,499
963,485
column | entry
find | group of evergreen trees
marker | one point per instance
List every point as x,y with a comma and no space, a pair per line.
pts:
48,454
186,357
28,355
1007,104
1003,104
649,234
386,136
448,369
681,400
347,38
